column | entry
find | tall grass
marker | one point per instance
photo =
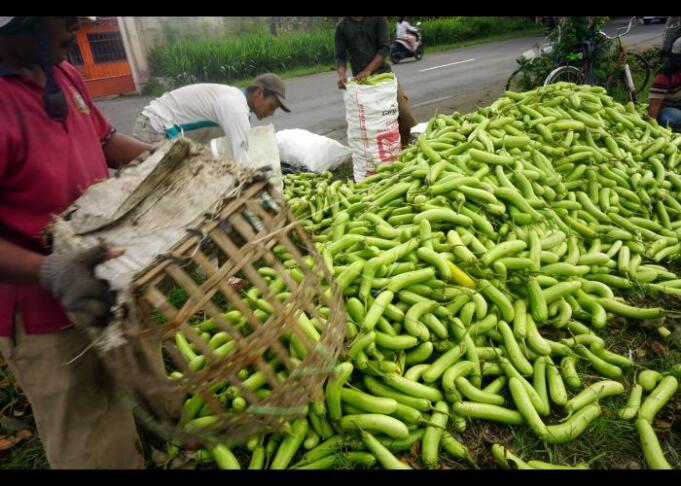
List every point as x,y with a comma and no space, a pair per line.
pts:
450,30
241,57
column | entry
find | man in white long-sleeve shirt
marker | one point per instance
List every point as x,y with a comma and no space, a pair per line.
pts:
206,111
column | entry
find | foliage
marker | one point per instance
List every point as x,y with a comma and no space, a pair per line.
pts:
568,48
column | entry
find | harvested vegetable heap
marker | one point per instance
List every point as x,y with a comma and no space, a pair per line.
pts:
480,267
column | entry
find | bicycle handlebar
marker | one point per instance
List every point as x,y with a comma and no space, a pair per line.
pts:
628,28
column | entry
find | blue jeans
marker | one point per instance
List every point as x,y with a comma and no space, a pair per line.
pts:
671,116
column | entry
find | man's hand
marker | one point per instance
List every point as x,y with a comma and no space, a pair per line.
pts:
342,83
362,75
71,278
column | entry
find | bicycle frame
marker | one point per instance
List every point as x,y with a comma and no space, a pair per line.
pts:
628,79
590,47
587,66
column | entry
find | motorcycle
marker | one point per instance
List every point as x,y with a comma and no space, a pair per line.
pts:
401,48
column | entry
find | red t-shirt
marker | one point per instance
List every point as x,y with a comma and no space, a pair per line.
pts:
45,165
667,86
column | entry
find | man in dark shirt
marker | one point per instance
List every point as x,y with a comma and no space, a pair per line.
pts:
367,41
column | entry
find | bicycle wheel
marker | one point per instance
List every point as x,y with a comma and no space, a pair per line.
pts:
520,81
640,73
513,82
566,74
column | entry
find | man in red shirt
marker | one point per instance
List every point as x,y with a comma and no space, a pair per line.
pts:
665,93
54,144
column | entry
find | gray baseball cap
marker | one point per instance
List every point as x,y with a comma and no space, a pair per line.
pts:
274,83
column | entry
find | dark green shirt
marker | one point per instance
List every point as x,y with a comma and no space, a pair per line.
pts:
362,40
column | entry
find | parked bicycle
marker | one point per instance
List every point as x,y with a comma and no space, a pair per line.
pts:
536,60
630,71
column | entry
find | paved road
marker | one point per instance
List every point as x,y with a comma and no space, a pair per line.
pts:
455,79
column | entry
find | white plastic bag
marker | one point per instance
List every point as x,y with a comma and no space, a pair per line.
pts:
373,133
316,153
419,128
262,151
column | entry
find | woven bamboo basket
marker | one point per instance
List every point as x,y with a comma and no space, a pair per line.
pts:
224,307
274,337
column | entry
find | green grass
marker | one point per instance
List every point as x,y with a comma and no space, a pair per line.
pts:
27,454
242,57
453,30
483,40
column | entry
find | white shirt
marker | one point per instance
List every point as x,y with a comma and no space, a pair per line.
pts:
403,28
201,105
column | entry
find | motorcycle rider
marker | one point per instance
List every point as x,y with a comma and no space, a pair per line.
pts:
404,31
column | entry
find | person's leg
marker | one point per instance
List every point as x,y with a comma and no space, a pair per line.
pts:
412,41
672,117
405,119
81,422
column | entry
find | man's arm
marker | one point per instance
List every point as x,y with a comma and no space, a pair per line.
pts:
120,150
234,122
371,67
341,61
342,77
17,265
382,49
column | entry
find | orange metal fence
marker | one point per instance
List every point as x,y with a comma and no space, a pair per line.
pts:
100,57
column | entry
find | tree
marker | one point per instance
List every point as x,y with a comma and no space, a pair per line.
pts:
273,21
